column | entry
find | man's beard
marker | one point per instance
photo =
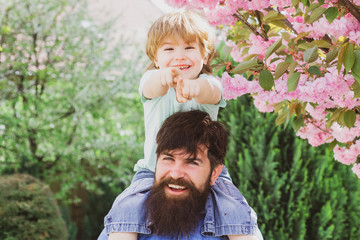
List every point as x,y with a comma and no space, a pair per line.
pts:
176,215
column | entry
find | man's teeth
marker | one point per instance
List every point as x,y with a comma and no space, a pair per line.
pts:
176,186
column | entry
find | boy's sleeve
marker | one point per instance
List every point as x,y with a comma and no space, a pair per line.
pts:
145,77
215,82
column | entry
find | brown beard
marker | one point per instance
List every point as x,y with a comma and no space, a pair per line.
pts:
175,216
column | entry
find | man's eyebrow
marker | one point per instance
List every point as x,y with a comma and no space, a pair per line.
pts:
167,154
194,159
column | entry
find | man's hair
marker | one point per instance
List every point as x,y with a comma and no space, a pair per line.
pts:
190,26
190,130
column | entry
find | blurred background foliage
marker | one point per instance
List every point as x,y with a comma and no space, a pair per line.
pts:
70,116
69,110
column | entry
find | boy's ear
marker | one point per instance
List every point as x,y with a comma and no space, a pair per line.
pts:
215,174
156,63
206,58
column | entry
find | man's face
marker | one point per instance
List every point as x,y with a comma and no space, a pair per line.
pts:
180,191
180,169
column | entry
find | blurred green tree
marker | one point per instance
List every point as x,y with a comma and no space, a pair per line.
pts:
69,112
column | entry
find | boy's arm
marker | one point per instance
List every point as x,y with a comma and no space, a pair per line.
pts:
159,82
201,90
123,236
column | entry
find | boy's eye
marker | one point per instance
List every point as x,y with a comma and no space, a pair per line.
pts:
190,47
168,49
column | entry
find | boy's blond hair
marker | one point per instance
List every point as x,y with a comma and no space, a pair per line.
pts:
190,26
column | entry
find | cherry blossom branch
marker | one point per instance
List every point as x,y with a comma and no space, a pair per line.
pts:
352,8
241,19
309,120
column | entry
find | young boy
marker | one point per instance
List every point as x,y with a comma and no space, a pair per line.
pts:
180,46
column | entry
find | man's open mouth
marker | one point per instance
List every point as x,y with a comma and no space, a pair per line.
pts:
175,187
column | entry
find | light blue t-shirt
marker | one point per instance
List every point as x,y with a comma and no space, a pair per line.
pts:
158,109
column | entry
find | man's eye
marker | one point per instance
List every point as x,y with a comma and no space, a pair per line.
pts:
194,162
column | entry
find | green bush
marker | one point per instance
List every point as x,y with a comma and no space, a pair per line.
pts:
28,210
299,192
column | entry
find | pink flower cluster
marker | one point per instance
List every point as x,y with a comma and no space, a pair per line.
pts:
347,155
330,90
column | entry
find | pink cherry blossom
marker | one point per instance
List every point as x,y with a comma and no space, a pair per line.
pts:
347,155
356,169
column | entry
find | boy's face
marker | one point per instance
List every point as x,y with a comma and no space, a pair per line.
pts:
175,52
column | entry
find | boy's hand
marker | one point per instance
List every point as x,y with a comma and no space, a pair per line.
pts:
178,90
186,89
189,89
167,76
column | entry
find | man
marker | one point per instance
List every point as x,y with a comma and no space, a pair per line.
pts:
191,150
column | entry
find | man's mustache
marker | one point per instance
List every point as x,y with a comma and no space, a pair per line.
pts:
181,182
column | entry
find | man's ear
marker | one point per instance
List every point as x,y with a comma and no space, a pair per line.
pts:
215,174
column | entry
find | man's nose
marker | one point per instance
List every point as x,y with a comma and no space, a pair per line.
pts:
177,172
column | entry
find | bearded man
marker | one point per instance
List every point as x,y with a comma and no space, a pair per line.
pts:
191,150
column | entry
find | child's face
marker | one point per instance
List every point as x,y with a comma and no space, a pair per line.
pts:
175,52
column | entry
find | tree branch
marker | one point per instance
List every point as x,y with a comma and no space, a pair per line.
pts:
239,17
352,8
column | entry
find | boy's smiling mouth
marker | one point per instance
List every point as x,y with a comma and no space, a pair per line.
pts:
183,67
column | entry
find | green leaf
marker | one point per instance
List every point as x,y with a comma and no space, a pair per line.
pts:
316,14
244,66
270,14
355,70
293,81
332,145
356,89
295,2
332,54
314,70
331,13
349,57
301,35
349,118
306,45
289,59
281,69
322,43
311,54
340,58
266,80
282,117
275,46
305,2
298,122
292,67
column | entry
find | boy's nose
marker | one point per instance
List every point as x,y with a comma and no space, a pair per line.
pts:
180,55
